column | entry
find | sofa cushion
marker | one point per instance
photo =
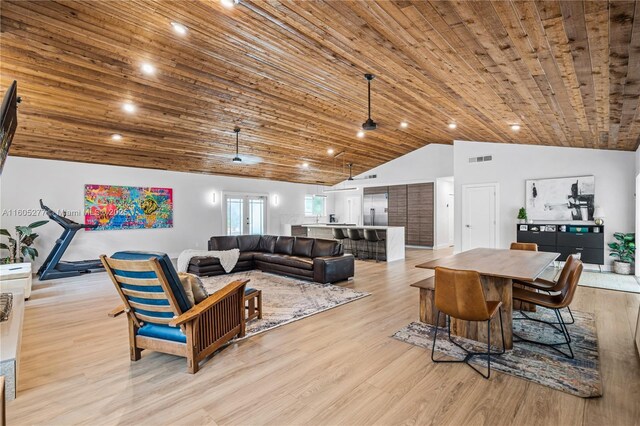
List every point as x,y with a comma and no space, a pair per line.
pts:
323,248
205,261
247,255
164,332
303,246
223,243
284,245
267,243
286,260
248,242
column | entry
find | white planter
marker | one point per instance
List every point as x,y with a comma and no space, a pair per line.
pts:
621,268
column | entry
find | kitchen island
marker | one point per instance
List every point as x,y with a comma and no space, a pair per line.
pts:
393,235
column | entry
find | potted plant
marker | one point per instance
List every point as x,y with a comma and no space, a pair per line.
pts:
522,215
624,249
20,246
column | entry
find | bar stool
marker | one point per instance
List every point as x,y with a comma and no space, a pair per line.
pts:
338,234
354,238
372,236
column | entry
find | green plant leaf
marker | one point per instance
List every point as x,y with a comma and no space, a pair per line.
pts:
29,252
38,223
4,246
4,232
24,230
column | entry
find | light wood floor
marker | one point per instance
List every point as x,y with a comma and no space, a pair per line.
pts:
338,367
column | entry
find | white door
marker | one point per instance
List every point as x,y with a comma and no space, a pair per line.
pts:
245,214
353,210
479,216
451,199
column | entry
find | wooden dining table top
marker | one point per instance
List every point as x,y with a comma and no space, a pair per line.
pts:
514,264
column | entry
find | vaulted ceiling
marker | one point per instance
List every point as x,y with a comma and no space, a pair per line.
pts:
290,75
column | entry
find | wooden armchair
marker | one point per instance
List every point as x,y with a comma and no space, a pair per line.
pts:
160,316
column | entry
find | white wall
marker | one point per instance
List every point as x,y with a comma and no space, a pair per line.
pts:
196,218
444,211
425,164
512,164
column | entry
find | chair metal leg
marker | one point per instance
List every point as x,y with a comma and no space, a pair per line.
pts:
469,354
563,330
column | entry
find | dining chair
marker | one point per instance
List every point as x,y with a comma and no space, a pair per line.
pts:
459,294
552,286
555,302
524,246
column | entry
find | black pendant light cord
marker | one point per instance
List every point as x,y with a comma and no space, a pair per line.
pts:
369,95
237,138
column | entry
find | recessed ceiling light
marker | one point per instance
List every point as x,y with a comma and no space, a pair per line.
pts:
116,137
361,134
330,151
452,125
515,127
404,124
305,165
129,107
179,28
148,68
229,3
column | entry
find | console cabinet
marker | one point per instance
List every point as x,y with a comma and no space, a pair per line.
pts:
566,239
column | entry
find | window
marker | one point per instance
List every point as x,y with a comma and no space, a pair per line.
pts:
315,205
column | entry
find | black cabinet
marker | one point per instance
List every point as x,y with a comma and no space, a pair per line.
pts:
566,239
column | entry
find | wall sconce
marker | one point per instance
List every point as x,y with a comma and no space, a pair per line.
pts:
213,198
276,200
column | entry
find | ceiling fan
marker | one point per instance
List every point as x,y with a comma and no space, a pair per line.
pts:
369,124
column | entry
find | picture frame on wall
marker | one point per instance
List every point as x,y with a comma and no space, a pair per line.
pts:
567,198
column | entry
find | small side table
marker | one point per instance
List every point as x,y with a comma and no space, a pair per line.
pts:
253,303
16,277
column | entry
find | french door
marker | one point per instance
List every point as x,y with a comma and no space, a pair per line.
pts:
245,214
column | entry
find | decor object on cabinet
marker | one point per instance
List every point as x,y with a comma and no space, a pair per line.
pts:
599,215
20,247
128,207
570,198
522,215
624,249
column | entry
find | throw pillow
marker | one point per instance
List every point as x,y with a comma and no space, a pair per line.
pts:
185,280
196,287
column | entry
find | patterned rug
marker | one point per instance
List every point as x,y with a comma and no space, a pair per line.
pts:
604,280
285,299
539,364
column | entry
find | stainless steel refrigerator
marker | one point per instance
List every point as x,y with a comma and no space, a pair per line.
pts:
375,209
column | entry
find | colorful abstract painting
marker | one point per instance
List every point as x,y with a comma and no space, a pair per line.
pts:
128,207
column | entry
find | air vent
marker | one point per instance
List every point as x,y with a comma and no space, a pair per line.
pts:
482,159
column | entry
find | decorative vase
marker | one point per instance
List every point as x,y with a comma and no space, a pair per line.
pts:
622,268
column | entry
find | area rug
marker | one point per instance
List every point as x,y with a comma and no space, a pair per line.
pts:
604,280
579,376
284,299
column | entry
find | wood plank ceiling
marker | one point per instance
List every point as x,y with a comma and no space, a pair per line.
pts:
290,74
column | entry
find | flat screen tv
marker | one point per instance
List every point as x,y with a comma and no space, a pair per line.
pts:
9,121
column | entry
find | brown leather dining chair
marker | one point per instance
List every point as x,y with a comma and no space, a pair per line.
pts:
459,294
554,302
550,287
524,246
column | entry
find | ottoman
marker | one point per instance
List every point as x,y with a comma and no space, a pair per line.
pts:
16,277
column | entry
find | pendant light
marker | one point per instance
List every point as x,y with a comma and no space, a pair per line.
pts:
237,158
369,124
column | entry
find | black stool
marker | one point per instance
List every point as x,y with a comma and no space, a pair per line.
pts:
354,238
371,236
338,234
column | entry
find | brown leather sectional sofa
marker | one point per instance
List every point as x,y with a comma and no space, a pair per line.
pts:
313,259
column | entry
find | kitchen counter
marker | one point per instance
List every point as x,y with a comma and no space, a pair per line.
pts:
394,236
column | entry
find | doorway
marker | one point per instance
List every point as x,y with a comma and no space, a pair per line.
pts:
480,216
245,214
353,210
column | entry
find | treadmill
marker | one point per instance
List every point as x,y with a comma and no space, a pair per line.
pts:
53,267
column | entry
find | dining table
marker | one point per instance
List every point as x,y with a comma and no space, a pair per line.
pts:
498,269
